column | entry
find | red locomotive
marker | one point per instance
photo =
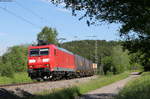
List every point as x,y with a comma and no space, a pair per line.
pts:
51,62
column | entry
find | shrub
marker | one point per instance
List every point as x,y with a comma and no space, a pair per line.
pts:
137,89
6,70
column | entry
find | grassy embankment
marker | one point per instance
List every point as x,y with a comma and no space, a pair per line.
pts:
18,78
70,93
137,89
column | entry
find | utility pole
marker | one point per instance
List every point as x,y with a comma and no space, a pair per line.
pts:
96,47
96,56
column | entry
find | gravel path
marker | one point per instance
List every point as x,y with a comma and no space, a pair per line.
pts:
28,90
109,91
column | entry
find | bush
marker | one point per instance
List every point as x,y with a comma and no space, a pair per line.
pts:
137,89
14,60
17,57
107,64
66,93
6,70
117,62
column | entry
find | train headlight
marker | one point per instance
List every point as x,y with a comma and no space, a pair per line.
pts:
46,60
30,66
32,61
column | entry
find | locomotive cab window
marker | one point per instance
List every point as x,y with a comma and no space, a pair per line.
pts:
39,52
34,52
44,51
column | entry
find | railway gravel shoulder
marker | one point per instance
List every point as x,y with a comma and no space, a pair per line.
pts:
29,89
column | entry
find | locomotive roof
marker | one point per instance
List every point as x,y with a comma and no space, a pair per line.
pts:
62,49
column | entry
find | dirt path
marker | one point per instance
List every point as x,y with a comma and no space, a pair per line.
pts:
109,91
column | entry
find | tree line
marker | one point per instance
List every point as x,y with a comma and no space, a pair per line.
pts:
111,57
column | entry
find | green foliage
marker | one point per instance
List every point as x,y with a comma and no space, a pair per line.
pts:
117,62
136,61
132,14
141,47
17,57
107,64
47,36
146,73
14,60
20,77
137,89
6,69
120,60
66,93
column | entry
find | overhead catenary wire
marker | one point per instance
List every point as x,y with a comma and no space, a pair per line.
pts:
29,10
20,17
43,19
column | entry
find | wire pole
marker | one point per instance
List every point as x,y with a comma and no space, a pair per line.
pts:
96,56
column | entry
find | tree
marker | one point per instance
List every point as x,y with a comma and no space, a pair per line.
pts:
132,14
135,61
6,69
107,64
16,58
120,60
117,62
47,36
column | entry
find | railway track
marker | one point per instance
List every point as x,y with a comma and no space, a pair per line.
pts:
18,84
23,89
28,83
34,82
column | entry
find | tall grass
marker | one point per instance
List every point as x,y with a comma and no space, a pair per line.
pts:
137,89
100,82
21,77
74,91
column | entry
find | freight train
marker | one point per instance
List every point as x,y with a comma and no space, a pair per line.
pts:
51,62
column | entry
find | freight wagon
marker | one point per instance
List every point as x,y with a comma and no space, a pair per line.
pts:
51,62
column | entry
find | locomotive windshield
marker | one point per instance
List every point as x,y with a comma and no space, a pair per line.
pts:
44,51
39,52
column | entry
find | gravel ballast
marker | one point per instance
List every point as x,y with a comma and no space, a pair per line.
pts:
28,90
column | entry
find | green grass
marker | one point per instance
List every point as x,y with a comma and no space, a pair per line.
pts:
137,89
18,78
70,93
100,82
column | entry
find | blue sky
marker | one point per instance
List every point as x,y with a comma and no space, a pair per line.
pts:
36,14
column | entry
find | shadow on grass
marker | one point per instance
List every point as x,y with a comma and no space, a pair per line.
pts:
17,94
67,93
98,96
